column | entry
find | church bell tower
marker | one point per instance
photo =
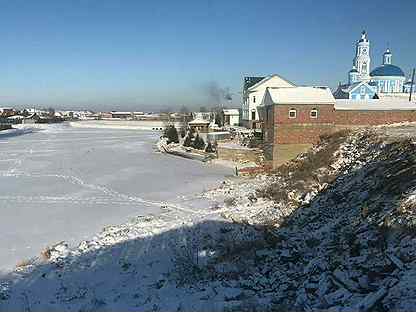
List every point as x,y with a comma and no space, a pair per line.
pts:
362,58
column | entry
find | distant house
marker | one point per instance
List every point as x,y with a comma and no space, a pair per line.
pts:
360,90
7,112
253,92
296,118
121,115
202,115
231,117
31,119
199,125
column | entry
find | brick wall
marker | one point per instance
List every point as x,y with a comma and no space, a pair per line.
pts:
280,129
325,114
302,133
286,137
370,118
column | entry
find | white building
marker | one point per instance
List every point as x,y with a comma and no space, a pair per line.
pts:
231,117
253,92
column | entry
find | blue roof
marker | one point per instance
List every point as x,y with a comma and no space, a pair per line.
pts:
387,70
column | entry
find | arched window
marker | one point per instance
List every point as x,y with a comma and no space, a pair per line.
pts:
313,113
364,68
292,113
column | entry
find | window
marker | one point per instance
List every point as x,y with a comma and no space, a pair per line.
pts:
253,115
314,113
292,113
254,99
362,90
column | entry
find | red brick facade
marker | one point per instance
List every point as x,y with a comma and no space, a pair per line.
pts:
281,130
374,117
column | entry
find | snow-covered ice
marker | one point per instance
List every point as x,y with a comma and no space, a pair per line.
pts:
66,184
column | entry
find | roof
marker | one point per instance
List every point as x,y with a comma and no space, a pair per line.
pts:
121,113
301,95
270,77
381,104
387,70
199,121
387,52
353,86
251,81
16,117
232,111
354,70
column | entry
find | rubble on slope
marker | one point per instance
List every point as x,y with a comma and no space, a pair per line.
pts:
345,245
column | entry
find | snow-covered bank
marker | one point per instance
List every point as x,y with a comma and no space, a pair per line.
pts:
15,132
331,231
65,183
120,124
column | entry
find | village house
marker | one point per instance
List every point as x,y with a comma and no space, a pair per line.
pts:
231,117
7,112
295,118
199,125
253,92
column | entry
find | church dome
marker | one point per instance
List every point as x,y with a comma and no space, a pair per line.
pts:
387,70
354,70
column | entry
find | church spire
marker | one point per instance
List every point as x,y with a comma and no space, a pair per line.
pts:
387,57
362,57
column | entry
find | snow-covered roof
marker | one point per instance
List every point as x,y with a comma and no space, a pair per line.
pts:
300,95
232,111
199,121
265,79
375,104
16,117
120,113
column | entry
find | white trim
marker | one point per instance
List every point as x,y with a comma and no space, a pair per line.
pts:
293,110
313,110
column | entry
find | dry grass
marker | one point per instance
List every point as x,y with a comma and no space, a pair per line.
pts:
23,263
303,172
45,254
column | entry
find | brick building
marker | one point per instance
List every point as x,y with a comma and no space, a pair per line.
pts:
295,118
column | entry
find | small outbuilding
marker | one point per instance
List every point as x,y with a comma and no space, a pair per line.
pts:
231,117
199,125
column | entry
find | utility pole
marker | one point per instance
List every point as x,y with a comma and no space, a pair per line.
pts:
411,85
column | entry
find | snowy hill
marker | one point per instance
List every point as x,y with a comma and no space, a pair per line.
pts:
333,230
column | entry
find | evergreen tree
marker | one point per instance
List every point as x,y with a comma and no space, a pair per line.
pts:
198,143
171,133
218,119
188,139
209,148
183,132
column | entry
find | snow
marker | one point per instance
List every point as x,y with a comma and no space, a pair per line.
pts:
384,104
347,244
65,183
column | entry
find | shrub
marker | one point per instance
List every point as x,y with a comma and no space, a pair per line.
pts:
209,148
172,134
198,143
183,133
188,140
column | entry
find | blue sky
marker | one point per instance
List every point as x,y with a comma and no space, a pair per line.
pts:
103,54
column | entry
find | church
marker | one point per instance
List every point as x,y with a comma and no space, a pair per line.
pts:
363,84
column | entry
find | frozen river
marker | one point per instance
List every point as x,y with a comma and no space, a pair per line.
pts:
66,183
